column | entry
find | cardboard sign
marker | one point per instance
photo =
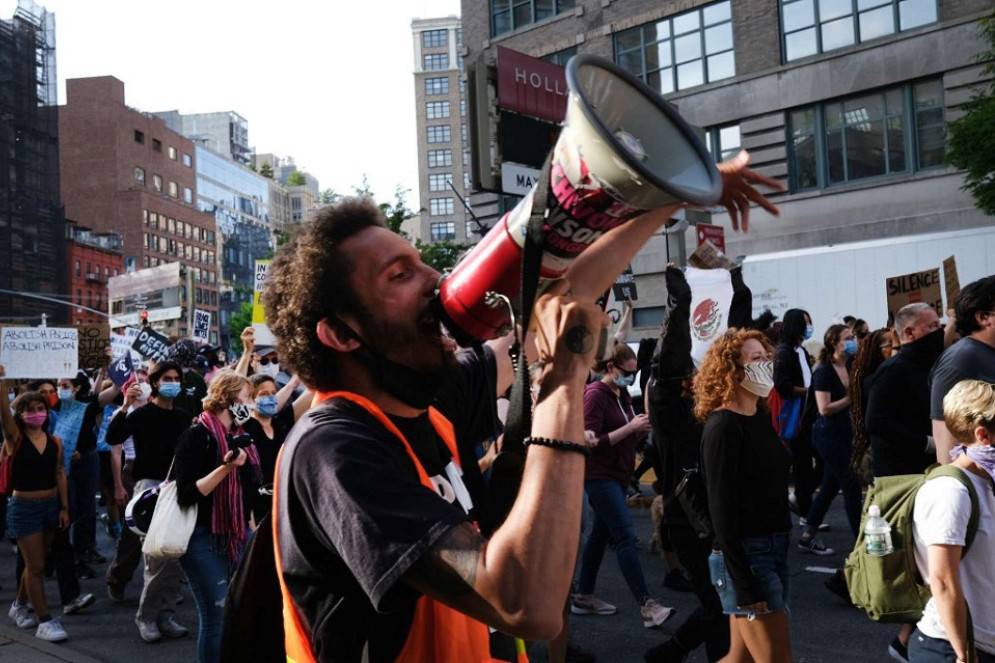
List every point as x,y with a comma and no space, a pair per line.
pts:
951,281
708,256
39,352
93,343
201,325
263,335
625,286
151,344
706,232
914,288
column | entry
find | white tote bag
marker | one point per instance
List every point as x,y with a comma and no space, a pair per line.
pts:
171,526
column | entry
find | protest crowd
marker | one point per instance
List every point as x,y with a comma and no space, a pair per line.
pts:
339,490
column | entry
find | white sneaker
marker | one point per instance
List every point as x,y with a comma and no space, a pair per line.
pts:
148,630
79,603
654,614
588,604
19,615
51,631
170,628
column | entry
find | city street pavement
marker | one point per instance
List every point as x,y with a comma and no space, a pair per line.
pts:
823,628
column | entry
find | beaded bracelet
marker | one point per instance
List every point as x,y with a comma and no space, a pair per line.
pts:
562,445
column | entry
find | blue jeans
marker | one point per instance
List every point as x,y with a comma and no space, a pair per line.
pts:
84,476
611,521
924,649
835,444
768,559
207,573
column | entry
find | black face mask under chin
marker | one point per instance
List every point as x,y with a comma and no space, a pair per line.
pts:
403,383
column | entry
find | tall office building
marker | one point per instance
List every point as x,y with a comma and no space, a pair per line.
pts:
31,219
443,156
123,170
224,132
845,102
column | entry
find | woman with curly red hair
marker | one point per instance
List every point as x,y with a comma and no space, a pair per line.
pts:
745,469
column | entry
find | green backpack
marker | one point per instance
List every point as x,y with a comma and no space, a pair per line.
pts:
890,588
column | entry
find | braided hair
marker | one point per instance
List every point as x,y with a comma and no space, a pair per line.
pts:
868,358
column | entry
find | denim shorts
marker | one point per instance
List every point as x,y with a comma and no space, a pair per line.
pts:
924,649
768,559
28,516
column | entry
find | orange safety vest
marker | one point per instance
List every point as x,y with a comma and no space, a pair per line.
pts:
438,633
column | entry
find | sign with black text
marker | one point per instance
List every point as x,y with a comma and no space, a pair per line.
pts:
93,343
39,352
201,325
914,288
625,286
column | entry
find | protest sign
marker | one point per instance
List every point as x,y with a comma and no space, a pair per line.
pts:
121,343
707,232
913,288
201,325
93,343
121,370
625,286
708,256
151,344
39,352
263,335
951,280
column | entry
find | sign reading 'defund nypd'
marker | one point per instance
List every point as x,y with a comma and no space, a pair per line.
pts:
517,179
151,344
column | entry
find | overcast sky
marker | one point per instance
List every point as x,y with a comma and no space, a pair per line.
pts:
328,83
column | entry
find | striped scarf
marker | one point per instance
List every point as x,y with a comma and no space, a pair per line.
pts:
228,517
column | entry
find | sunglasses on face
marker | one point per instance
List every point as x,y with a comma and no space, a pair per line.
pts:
625,373
264,361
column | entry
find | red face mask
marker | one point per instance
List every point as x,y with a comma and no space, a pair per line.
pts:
53,399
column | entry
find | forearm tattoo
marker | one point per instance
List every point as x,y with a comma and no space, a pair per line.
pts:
450,567
579,340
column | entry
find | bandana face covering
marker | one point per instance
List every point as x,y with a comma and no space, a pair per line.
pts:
981,454
759,378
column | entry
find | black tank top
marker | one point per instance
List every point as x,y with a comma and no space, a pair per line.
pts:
34,471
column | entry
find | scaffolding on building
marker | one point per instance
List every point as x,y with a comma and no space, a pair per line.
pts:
31,217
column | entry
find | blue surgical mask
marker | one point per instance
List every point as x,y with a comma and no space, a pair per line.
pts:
65,394
625,380
850,346
266,405
808,332
169,389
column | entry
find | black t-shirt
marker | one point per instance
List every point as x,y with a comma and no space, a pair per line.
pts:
354,516
967,359
745,468
825,378
268,448
155,431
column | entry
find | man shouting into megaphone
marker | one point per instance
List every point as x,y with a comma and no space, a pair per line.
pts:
378,545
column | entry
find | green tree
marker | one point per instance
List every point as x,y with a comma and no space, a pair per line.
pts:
239,321
972,136
296,178
441,256
328,197
266,170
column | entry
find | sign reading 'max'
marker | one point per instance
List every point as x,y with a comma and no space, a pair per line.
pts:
517,179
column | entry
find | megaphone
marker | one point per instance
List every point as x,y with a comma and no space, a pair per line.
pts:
623,150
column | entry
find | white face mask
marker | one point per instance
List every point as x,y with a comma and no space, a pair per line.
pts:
146,390
759,378
270,370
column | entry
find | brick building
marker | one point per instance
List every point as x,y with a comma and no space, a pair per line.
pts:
123,170
91,259
845,102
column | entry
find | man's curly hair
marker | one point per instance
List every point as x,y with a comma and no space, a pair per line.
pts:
308,281
715,383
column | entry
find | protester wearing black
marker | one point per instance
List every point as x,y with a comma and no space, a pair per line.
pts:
793,378
898,398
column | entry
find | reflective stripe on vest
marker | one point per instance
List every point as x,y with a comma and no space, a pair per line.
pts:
438,633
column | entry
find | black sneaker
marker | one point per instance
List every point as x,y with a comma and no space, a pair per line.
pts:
898,651
814,546
84,571
677,581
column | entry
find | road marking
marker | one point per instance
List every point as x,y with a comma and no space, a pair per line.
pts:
821,569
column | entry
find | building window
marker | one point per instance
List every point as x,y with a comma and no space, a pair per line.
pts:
892,131
187,160
508,15
436,110
723,142
440,182
433,38
171,151
435,61
139,137
156,145
808,27
440,158
681,51
442,230
463,135
440,206
560,57
466,158
436,86
187,194
174,190
78,269
440,134
157,183
471,230
466,181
